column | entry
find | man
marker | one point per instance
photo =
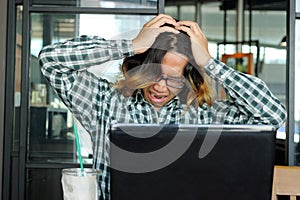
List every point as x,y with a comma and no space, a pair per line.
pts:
166,70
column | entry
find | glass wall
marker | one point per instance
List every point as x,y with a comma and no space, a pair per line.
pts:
182,12
211,19
212,22
42,137
187,12
268,33
18,61
52,138
269,58
173,11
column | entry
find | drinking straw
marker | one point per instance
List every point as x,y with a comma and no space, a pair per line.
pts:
78,149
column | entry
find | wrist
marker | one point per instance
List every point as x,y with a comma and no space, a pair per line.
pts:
204,60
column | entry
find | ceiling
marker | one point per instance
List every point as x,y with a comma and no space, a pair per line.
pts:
231,4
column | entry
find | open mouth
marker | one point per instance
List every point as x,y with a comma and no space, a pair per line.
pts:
157,98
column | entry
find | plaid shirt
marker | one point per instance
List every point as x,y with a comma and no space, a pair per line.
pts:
96,104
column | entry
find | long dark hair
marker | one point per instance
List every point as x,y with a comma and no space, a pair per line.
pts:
141,70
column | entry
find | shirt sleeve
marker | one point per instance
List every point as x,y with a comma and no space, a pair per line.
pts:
84,51
65,66
250,102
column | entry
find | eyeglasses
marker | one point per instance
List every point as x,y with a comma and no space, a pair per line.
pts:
174,82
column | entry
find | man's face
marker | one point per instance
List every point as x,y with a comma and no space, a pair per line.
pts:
170,83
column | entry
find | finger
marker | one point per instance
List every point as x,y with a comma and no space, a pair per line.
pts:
195,37
164,15
193,25
158,17
156,31
169,29
188,23
187,30
161,20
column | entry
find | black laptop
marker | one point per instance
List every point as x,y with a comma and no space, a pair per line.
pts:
191,162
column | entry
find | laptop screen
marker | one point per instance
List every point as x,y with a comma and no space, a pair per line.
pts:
191,162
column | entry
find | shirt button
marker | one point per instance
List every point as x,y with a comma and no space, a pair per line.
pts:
211,67
217,71
139,107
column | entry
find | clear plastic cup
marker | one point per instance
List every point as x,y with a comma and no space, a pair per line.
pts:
78,185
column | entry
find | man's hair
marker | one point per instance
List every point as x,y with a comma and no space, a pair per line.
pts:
141,70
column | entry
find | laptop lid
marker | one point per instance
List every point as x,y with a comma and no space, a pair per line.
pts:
191,162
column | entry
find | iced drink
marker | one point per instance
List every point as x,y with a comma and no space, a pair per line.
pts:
78,185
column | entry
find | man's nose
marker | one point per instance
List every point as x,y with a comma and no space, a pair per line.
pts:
162,84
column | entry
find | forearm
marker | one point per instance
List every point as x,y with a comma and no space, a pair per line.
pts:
84,51
249,94
60,62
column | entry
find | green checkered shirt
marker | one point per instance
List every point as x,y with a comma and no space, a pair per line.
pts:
96,104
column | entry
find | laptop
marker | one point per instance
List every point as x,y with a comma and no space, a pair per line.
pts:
191,162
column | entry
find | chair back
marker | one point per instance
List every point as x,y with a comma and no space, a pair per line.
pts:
286,181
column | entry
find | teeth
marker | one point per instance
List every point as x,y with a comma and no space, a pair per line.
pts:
157,96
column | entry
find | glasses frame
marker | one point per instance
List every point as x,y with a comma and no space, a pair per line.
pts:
179,80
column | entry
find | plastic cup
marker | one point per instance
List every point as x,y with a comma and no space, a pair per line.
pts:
78,185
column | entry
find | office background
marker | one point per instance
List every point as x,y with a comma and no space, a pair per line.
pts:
36,129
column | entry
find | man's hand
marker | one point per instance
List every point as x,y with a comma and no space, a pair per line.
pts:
198,40
151,30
